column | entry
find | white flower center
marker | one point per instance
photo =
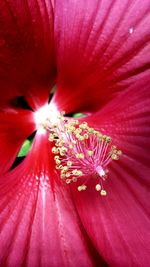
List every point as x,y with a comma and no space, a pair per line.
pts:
44,114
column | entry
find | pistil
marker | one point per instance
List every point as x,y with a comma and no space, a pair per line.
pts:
80,152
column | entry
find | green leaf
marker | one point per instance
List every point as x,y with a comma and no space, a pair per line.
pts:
53,89
25,148
79,115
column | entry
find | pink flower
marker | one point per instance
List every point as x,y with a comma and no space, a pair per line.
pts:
98,55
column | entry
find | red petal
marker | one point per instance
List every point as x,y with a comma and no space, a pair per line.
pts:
101,47
38,222
26,50
15,127
119,223
127,120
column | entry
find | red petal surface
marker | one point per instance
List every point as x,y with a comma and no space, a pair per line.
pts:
26,50
15,127
119,224
38,222
102,47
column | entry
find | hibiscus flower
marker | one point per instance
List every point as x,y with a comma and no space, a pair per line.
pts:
97,54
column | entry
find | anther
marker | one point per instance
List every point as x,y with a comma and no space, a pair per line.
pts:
103,193
98,187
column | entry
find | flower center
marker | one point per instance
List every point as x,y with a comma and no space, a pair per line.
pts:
80,152
41,117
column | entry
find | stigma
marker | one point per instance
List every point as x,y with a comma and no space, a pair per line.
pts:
81,152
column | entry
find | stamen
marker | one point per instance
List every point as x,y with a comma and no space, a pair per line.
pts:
81,151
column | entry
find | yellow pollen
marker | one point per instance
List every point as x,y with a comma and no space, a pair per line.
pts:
79,188
58,162
83,125
69,163
68,181
56,157
62,175
90,152
82,187
103,193
54,150
98,187
86,136
60,167
65,168
80,156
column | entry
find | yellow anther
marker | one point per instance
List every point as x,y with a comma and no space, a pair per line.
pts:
66,125
80,173
108,139
54,150
104,137
86,136
114,156
58,162
119,152
60,167
75,172
71,129
68,181
78,136
76,122
62,150
69,163
114,151
98,187
78,131
60,142
74,142
84,187
56,157
90,130
99,135
90,152
79,188
68,174
113,147
65,168
80,156
72,122
83,125
95,132
62,175
81,138
103,193
51,137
